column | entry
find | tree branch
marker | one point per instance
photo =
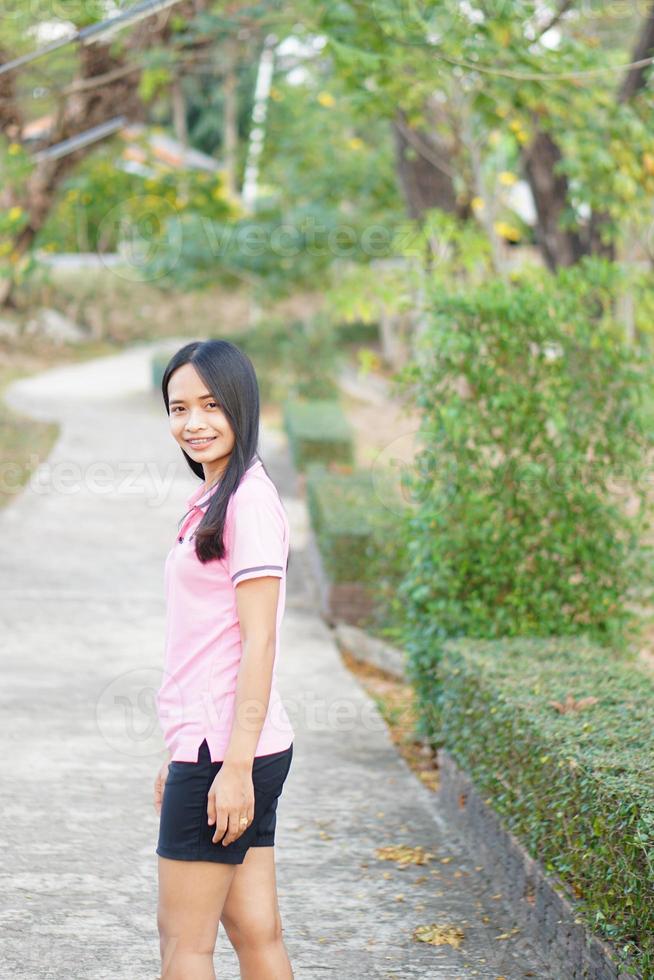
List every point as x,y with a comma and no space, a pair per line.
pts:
564,7
635,79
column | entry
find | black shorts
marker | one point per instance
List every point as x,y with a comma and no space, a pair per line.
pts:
184,831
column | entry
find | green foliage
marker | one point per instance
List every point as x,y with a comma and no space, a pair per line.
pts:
357,332
153,79
576,787
454,251
318,431
340,510
489,70
276,252
355,519
535,430
291,358
15,166
318,149
102,205
297,358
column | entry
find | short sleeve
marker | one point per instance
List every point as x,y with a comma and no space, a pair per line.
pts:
257,539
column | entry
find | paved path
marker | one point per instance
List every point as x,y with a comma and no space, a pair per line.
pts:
82,625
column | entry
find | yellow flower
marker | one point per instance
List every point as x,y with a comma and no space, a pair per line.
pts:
15,213
275,94
14,149
477,203
648,162
326,99
505,230
522,136
5,248
355,143
515,125
507,178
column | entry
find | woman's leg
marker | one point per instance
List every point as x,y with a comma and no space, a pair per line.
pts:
191,897
252,921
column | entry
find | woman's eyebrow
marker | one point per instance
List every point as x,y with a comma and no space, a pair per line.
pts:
180,401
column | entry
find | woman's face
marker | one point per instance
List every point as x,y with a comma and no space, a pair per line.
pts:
196,421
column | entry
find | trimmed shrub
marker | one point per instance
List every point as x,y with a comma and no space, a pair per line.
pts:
318,431
575,784
349,520
358,332
359,537
293,359
536,435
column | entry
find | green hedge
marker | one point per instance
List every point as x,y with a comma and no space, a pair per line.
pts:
576,788
350,521
318,431
357,331
536,428
292,357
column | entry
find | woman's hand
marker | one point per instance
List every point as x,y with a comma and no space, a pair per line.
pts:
159,783
231,797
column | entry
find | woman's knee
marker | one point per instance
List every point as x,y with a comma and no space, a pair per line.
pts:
174,936
252,930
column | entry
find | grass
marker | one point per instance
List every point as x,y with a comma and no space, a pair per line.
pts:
26,442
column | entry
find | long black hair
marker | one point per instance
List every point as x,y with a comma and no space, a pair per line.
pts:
230,377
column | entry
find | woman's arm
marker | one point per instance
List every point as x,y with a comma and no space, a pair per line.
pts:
256,600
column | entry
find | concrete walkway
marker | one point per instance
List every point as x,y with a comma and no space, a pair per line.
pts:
82,625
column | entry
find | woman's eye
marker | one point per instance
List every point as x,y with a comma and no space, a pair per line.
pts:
212,405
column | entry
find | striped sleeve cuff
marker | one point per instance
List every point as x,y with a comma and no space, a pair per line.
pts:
257,571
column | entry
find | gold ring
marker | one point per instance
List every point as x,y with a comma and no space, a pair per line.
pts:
243,821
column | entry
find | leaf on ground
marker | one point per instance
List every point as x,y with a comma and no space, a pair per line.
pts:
439,935
570,704
430,778
404,855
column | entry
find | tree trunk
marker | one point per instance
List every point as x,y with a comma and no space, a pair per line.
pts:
423,168
550,193
632,83
77,111
636,78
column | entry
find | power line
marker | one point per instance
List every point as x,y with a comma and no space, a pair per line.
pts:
543,76
93,33
65,147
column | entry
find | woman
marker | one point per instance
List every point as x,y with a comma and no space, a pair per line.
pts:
229,739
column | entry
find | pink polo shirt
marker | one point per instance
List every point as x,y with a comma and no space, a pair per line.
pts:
203,641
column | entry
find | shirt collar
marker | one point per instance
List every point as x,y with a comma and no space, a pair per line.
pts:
200,500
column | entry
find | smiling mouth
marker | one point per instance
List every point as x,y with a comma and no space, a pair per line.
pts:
200,442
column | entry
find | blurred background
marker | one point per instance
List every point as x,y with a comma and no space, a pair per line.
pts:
431,226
